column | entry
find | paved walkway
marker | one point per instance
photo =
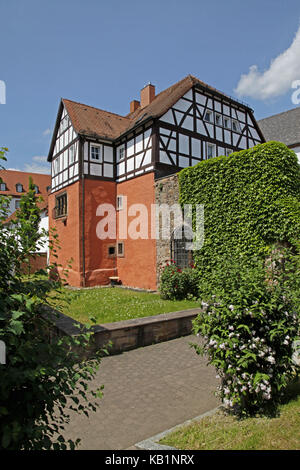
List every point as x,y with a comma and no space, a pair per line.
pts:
146,391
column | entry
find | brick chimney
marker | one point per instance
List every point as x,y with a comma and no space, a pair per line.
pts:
147,95
134,105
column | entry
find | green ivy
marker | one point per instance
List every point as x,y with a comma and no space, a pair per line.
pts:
251,200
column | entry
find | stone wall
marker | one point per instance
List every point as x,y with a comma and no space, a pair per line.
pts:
126,334
166,192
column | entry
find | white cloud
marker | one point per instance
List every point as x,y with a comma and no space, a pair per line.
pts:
47,131
36,168
39,158
277,79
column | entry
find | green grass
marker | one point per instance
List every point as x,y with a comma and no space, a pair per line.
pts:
108,305
225,432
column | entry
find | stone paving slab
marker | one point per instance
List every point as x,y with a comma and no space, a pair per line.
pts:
146,391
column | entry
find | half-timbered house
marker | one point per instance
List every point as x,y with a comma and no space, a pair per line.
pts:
98,157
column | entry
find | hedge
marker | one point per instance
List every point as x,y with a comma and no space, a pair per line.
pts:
251,200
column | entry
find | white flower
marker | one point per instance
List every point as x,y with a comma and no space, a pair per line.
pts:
271,359
231,307
231,328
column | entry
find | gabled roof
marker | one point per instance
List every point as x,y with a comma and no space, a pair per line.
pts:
90,121
93,122
283,127
168,97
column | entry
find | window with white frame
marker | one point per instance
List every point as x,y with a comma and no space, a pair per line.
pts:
235,126
3,187
228,152
19,188
218,119
71,154
56,165
227,123
119,203
96,152
120,248
121,153
17,203
208,116
210,151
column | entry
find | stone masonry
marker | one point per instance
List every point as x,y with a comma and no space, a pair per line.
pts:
166,192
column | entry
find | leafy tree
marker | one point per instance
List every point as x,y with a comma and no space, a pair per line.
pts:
43,379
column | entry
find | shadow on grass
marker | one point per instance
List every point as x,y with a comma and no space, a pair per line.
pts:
292,392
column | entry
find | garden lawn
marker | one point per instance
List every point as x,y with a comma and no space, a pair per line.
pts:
224,432
108,305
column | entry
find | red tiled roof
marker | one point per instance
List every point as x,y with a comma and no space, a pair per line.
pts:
12,177
90,121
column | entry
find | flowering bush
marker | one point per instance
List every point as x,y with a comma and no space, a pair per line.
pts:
249,326
176,283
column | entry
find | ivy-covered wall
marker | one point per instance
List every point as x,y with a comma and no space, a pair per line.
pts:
251,200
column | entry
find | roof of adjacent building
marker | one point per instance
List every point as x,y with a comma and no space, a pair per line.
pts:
12,177
94,122
283,127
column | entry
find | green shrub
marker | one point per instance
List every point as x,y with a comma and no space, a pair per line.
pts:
177,284
249,324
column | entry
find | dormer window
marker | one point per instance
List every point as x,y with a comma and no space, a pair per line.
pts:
19,188
3,187
36,188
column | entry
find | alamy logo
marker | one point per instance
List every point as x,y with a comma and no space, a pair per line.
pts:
2,92
2,352
296,94
161,222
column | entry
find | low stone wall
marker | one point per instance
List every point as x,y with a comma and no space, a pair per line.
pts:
131,334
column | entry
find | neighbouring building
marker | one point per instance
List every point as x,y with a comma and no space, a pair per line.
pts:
127,162
15,184
283,127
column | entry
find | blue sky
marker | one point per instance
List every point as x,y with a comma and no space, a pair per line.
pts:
103,52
